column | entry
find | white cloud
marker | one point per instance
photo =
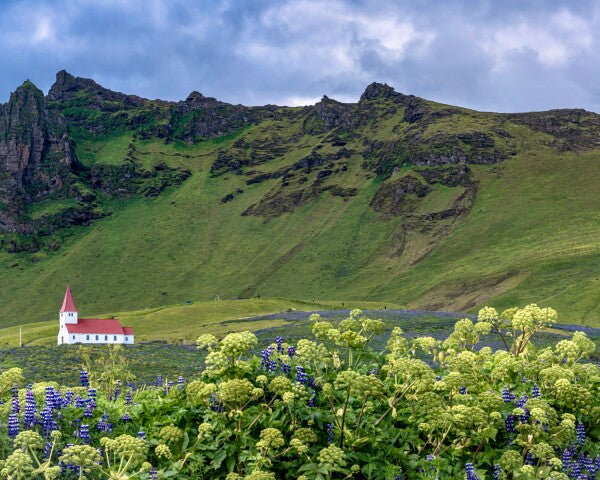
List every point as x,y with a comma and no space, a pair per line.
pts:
554,41
330,38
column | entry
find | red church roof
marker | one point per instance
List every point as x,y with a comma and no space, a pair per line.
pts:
68,303
99,326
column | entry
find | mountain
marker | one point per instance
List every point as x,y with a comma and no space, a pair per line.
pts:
141,203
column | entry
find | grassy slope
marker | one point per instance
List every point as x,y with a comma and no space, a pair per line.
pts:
184,323
531,236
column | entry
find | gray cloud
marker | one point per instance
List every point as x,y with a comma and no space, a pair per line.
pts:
501,56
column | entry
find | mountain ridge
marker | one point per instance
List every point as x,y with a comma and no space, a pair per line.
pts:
382,199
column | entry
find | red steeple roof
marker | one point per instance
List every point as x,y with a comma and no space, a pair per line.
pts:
68,303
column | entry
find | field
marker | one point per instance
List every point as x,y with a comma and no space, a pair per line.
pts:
185,322
41,360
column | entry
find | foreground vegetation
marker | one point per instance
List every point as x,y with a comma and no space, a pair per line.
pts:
331,407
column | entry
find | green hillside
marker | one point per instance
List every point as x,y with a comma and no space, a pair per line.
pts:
394,199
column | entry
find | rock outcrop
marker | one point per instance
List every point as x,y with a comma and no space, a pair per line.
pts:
36,156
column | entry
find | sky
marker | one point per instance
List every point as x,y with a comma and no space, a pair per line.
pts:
505,56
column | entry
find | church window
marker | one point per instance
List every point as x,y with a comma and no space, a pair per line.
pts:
105,338
96,337
115,338
87,337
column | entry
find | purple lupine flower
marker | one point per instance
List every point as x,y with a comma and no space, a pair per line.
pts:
128,398
68,397
373,371
180,382
30,408
152,474
520,403
159,380
266,356
507,396
279,342
286,368
13,425
470,472
580,431
117,390
430,457
47,420
126,417
79,402
50,397
438,378
330,433
83,377
462,390
84,433
312,402
16,406
47,449
301,377
291,351
510,423
528,459
535,391
588,464
141,435
497,471
88,412
215,405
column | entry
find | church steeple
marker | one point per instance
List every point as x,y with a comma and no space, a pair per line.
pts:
68,311
68,303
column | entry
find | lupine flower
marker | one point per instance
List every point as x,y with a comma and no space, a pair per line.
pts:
159,380
510,423
291,351
330,433
47,421
141,435
312,402
580,430
16,406
507,396
152,474
430,458
128,398
79,402
301,377
279,342
520,403
528,459
463,390
84,433
535,391
470,472
88,412
497,471
286,368
13,425
126,417
83,377
68,398
30,408
180,382
117,390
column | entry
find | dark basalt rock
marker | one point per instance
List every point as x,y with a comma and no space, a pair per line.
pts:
36,155
398,197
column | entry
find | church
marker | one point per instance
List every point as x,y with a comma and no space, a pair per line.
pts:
73,329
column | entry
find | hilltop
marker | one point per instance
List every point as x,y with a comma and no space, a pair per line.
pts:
144,203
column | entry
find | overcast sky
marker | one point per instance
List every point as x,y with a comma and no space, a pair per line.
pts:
489,55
